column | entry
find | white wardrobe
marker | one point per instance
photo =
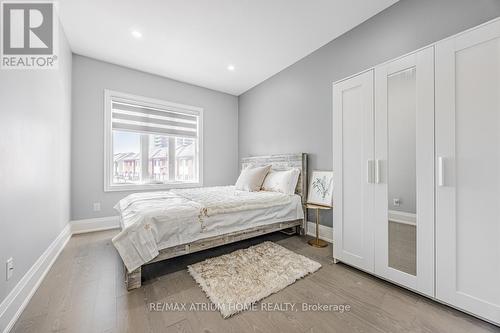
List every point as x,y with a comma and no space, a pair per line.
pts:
417,171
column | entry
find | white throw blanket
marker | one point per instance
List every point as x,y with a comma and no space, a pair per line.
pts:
145,216
225,199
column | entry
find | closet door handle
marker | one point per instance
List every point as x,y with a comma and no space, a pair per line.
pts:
369,171
377,171
440,167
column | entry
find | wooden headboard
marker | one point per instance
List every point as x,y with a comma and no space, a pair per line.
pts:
283,162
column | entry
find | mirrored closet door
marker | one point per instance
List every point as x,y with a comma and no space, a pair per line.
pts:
404,171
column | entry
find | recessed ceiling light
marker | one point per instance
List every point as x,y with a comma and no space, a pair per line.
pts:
230,68
136,33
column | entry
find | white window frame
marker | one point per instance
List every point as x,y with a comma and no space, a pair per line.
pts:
108,142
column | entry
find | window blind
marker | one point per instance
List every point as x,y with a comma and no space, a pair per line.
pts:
127,116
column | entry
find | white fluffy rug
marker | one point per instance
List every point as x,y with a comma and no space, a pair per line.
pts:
235,281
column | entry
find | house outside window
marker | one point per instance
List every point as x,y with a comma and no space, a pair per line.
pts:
151,144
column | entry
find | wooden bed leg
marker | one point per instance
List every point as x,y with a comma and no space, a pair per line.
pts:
133,279
302,228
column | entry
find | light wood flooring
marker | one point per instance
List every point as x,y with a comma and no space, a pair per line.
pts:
84,292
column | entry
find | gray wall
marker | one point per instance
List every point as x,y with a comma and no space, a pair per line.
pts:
292,111
90,78
35,124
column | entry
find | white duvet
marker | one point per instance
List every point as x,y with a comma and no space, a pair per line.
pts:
155,220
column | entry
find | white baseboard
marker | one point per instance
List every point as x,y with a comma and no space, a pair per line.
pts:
15,302
325,232
97,224
402,217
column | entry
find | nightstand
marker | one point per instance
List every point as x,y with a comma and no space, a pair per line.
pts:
317,242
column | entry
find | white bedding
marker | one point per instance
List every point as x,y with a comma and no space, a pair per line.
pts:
156,220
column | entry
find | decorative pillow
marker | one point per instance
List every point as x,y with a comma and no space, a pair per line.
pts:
251,178
281,181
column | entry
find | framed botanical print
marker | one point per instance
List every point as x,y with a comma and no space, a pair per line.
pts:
321,188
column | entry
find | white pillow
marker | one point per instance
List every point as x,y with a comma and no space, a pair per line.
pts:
281,181
251,178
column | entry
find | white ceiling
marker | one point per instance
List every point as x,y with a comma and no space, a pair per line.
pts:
195,40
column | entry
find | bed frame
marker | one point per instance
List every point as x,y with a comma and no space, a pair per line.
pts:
278,162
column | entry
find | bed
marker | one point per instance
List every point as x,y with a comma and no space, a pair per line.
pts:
156,226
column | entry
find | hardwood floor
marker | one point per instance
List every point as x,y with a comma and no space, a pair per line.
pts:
84,292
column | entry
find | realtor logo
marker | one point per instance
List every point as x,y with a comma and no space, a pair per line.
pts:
28,35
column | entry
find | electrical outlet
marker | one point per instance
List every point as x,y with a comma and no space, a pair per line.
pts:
396,202
97,206
9,268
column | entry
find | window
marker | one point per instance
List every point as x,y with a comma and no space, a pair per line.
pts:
151,144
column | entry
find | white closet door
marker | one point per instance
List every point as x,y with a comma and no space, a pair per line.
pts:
468,171
353,175
404,171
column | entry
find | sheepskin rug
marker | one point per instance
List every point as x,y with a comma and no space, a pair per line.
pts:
235,281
